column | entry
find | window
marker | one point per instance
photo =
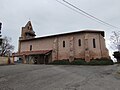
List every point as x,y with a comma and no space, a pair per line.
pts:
63,43
79,42
30,47
94,45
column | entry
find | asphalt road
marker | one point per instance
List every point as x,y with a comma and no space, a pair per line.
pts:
61,77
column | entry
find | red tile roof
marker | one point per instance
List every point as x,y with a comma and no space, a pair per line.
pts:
84,31
31,52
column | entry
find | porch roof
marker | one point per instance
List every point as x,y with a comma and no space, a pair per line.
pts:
41,52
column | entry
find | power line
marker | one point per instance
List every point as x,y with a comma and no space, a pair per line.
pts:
89,14
80,11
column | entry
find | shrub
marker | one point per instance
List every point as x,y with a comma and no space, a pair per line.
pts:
93,62
78,62
100,62
60,62
117,56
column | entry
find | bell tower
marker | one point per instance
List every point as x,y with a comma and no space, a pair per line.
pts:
27,32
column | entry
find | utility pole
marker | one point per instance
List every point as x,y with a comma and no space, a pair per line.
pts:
0,38
0,28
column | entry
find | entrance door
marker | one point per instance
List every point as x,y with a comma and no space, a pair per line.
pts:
41,59
46,59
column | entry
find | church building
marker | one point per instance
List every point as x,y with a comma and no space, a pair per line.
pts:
85,44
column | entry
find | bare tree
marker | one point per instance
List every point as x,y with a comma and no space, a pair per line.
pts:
115,44
115,40
6,47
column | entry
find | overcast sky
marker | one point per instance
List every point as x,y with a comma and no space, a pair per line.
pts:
50,17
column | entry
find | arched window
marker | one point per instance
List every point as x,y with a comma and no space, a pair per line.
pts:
94,44
63,43
79,42
30,47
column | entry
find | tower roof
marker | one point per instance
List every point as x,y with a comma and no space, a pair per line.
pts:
29,27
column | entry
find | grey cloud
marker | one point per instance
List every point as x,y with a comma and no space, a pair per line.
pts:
50,17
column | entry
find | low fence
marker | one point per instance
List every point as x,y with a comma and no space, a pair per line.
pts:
5,60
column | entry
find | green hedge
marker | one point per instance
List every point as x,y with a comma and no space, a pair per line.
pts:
78,62
92,62
60,62
102,61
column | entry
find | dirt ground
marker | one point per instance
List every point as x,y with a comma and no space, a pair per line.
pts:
59,77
